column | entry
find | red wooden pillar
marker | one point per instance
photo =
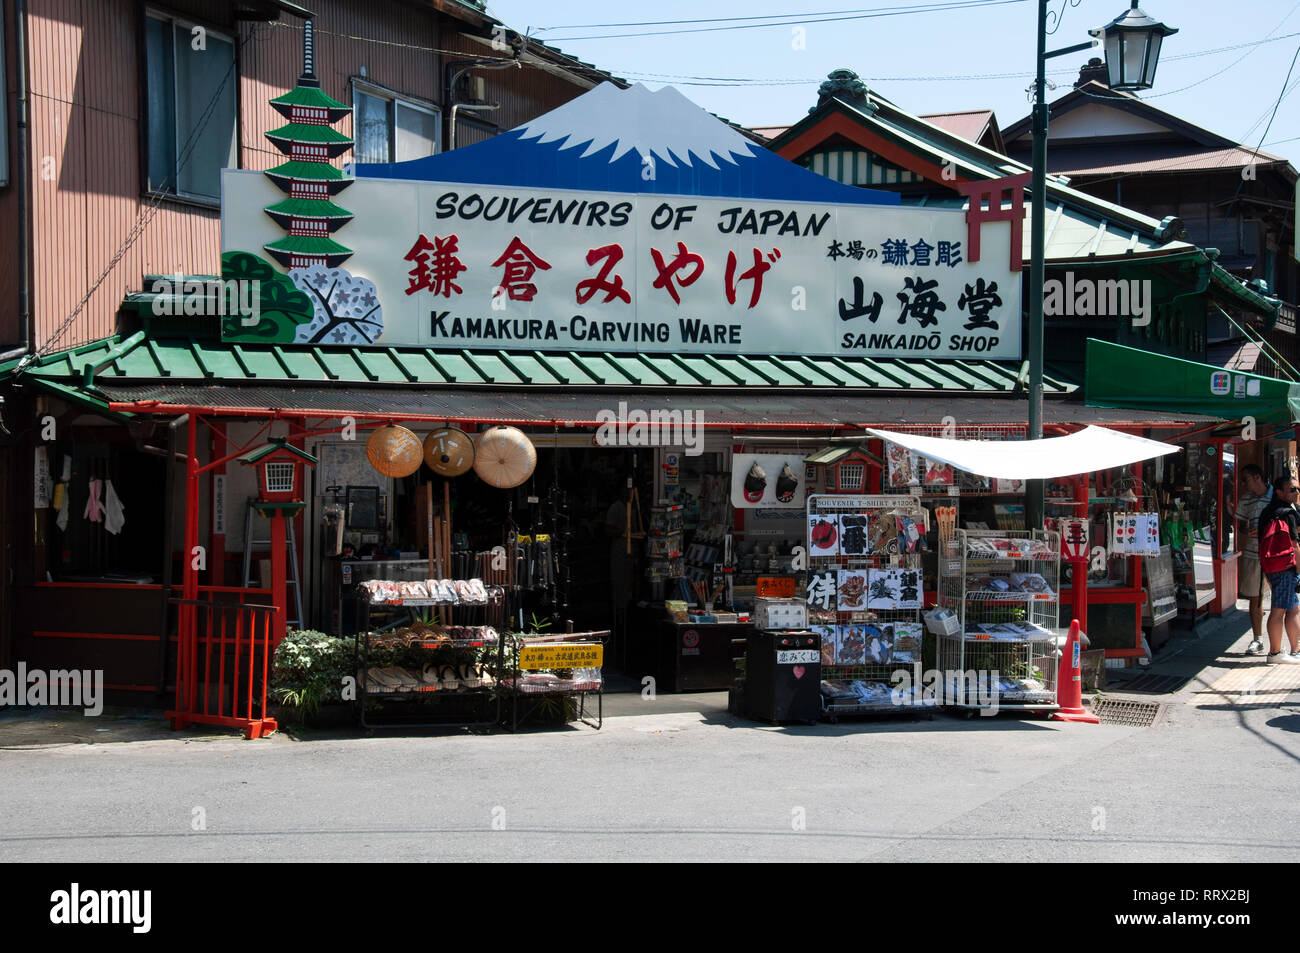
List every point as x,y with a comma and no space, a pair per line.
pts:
217,555
187,616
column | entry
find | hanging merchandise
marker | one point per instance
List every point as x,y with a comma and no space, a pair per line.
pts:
394,451
114,515
786,484
94,508
449,452
61,504
766,481
902,465
1074,537
1135,534
504,457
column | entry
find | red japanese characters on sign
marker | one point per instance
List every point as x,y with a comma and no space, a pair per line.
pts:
436,265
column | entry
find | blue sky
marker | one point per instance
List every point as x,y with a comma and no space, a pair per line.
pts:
896,54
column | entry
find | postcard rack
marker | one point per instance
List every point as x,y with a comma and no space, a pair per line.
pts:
865,595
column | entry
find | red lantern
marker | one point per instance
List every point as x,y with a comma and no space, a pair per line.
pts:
847,466
279,475
279,495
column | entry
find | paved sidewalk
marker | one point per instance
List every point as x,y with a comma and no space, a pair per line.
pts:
1217,672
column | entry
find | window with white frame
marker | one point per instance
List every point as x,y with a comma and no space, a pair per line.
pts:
190,107
391,128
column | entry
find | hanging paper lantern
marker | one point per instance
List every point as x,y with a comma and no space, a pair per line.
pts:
395,451
504,457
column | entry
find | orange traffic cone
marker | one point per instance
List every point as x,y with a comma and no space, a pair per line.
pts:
1069,682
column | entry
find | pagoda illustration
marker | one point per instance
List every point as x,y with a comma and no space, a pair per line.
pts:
307,178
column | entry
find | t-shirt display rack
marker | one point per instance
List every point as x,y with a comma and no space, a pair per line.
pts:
1003,587
856,554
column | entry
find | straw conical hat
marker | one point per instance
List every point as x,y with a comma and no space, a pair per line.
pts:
504,457
448,452
395,451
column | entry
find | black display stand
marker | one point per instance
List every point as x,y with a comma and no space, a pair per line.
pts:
700,657
484,700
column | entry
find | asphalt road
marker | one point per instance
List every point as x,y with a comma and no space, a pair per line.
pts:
676,778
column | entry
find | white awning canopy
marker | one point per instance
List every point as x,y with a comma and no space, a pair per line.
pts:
1089,450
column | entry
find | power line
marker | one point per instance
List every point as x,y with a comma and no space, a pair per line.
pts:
1234,62
767,16
932,8
686,79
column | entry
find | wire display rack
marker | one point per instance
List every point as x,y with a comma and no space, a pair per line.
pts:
561,667
865,596
1004,588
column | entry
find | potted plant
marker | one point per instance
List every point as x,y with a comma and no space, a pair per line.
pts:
311,673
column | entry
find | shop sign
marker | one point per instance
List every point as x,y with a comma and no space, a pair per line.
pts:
455,265
41,479
1074,538
561,655
1220,383
672,470
777,587
798,656
219,503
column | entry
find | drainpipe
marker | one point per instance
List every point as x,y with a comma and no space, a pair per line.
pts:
453,71
24,191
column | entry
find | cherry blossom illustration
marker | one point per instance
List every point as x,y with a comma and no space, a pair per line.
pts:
346,308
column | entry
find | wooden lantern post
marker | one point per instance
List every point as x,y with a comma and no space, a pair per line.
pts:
279,495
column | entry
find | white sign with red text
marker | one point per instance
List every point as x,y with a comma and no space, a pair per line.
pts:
473,266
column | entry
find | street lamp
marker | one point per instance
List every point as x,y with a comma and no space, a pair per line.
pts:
1132,42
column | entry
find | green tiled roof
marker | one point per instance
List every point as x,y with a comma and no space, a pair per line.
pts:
307,245
307,96
308,208
142,358
305,132
295,169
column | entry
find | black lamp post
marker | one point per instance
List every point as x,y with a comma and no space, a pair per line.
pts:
1132,43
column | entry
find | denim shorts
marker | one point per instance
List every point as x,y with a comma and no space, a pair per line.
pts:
1283,585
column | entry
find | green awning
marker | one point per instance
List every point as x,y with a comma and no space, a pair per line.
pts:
1130,378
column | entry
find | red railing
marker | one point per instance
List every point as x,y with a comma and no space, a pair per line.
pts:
223,661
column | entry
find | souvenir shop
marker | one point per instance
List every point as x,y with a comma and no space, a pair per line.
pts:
480,428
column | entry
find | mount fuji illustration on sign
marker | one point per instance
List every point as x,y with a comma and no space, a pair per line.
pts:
628,221
630,140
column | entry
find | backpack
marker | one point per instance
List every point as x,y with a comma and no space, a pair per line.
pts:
1276,551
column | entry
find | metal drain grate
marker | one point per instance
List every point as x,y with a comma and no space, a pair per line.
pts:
1127,711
